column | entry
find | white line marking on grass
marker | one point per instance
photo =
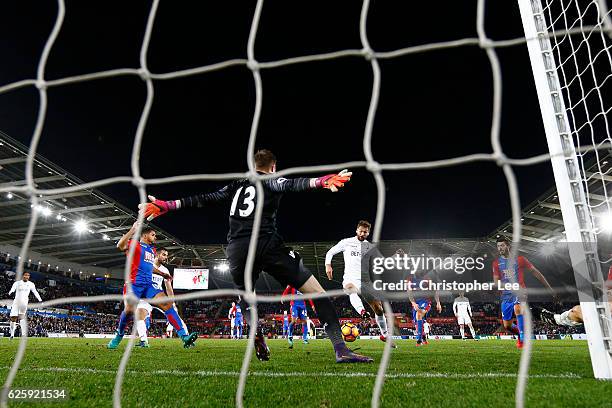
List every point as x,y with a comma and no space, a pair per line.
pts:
269,374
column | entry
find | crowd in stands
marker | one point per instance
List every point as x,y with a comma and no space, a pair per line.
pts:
209,317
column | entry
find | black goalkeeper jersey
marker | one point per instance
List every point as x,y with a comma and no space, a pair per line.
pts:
243,196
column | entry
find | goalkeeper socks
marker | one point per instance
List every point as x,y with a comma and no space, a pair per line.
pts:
419,329
356,303
328,316
521,326
141,328
305,331
175,321
124,319
382,324
462,331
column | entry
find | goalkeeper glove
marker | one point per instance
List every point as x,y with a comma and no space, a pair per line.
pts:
334,181
157,207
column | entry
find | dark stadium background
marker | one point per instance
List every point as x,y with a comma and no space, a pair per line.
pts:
433,106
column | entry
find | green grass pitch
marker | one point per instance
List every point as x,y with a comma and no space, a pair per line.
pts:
444,373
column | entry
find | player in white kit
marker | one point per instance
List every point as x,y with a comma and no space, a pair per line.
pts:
426,330
144,310
463,313
352,249
231,315
22,289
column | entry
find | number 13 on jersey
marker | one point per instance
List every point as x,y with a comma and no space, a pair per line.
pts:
246,199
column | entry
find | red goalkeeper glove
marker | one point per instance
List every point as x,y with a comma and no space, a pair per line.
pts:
156,207
334,181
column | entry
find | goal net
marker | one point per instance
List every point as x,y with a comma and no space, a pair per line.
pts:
569,46
572,77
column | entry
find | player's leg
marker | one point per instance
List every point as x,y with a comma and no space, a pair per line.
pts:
22,322
468,320
126,316
518,311
508,309
14,316
355,299
327,315
379,313
173,317
142,313
292,322
303,319
462,331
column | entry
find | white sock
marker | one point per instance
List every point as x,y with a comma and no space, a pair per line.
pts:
13,327
356,302
382,324
462,331
24,331
564,320
141,328
472,331
184,327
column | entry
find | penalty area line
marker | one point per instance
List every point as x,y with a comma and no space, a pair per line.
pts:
269,374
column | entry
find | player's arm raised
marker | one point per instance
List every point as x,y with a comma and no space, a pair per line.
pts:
330,181
539,276
122,245
160,207
336,249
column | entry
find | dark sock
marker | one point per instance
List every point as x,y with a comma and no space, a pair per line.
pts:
327,315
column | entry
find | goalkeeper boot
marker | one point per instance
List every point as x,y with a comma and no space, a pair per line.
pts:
143,344
114,343
189,339
261,348
345,355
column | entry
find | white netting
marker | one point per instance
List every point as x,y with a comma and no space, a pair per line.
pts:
584,65
370,164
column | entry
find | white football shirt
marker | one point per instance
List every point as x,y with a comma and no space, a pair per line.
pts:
461,306
22,291
352,249
158,280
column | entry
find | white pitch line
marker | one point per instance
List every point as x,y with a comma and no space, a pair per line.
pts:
268,374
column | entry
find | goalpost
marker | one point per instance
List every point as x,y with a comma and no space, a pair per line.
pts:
560,78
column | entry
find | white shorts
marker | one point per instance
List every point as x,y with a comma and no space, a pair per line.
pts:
464,319
233,322
145,305
19,309
352,280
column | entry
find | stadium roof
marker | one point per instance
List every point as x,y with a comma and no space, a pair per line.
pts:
101,220
542,220
105,220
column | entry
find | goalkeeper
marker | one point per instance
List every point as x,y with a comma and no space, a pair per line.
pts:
271,253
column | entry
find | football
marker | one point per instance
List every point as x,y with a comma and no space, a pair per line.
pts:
350,332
